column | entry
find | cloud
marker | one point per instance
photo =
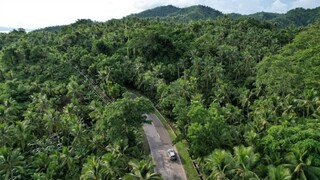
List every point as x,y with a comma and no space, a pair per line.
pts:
278,6
42,13
305,3
226,6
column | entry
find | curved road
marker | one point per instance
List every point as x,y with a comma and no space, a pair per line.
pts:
159,141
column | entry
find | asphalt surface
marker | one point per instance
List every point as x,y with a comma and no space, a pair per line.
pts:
159,142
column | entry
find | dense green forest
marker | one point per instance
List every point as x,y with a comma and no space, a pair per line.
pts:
243,93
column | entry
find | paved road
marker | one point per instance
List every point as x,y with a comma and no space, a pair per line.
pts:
159,141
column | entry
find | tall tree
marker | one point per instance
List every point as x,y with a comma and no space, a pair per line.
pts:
301,164
219,163
12,163
246,161
142,170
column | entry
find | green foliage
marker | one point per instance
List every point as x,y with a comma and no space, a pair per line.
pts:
207,130
142,170
224,83
278,173
220,163
240,165
12,163
122,117
301,164
296,68
282,137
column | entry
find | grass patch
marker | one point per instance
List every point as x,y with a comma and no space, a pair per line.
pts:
145,143
182,148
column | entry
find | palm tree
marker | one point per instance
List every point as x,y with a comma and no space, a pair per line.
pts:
288,106
74,89
278,173
308,102
68,161
40,161
300,164
51,120
92,169
39,103
114,166
22,133
244,99
219,163
119,149
106,167
80,134
245,162
142,170
97,109
10,110
233,115
11,162
46,166
251,137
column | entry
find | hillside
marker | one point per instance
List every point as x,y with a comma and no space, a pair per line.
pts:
297,17
263,16
162,11
181,14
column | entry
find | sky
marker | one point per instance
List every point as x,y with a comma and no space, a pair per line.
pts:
33,14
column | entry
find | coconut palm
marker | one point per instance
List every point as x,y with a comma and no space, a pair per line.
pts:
113,166
278,173
40,162
308,102
92,169
11,163
40,103
67,159
46,165
300,164
142,170
245,162
74,88
10,109
119,149
51,120
106,167
22,133
219,163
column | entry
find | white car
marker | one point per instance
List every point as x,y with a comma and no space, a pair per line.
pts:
172,154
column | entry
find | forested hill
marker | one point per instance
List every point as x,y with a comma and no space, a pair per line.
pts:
297,17
181,14
242,95
162,11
